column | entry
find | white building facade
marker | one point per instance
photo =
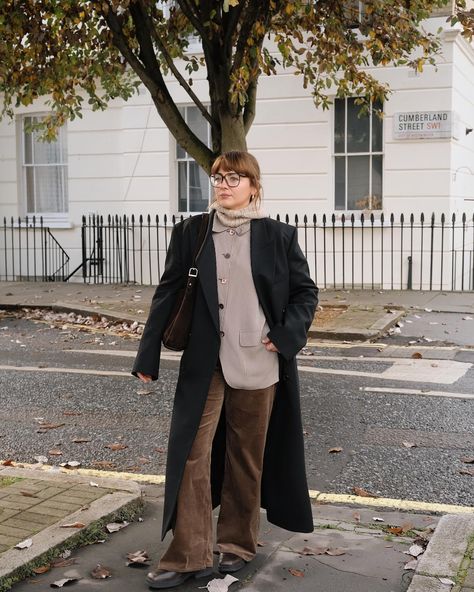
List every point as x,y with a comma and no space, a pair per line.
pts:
123,161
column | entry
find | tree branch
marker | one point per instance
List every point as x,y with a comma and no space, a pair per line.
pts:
176,73
193,18
256,8
162,99
230,23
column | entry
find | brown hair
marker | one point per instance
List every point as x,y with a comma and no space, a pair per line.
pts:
243,163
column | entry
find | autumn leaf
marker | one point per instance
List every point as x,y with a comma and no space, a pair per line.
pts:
28,494
26,544
116,526
73,525
62,562
55,452
64,582
335,552
417,356
8,462
314,550
116,446
104,464
138,558
362,492
336,449
101,572
41,570
466,471
80,440
296,572
467,459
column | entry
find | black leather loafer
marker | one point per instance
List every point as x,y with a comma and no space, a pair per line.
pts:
230,563
161,579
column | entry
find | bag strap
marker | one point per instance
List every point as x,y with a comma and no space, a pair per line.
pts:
201,237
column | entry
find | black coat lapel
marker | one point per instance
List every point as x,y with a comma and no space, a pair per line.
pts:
262,257
208,276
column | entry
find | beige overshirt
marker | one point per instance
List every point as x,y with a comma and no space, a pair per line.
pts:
246,363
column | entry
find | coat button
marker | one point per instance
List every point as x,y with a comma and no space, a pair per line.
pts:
221,306
231,232
227,255
222,333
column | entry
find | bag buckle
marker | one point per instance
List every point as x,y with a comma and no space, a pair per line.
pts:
193,272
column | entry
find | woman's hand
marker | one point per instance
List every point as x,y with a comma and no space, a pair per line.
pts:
144,377
269,346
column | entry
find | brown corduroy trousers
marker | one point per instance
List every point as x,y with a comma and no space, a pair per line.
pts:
247,416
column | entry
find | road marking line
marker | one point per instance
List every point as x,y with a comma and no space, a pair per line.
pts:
402,391
66,370
335,498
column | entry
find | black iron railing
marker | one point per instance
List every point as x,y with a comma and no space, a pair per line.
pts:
357,251
29,251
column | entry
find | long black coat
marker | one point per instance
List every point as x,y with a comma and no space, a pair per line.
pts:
288,298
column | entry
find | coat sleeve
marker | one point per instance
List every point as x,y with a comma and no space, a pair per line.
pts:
148,357
290,335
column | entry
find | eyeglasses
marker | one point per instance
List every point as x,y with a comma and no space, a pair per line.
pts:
232,179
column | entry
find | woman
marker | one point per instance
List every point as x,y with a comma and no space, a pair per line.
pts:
236,437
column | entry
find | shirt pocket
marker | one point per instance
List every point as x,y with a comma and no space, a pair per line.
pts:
250,338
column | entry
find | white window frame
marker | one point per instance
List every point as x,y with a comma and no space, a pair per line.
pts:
347,155
52,219
187,159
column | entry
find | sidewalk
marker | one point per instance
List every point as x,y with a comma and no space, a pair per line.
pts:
349,551
352,549
344,315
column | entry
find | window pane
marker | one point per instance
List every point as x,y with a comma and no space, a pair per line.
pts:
377,132
49,190
377,182
182,186
357,129
198,188
358,182
28,148
197,123
339,125
30,190
340,173
46,152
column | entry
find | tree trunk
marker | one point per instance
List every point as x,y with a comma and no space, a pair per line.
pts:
232,132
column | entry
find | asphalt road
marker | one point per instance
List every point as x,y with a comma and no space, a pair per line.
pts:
375,402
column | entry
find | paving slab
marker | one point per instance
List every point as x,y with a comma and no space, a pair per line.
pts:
41,518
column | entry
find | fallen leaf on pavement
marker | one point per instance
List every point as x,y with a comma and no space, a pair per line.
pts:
26,544
395,530
72,413
415,550
145,391
80,440
28,494
336,449
70,464
73,525
60,562
362,492
314,550
356,516
447,581
160,449
335,552
260,544
467,471
93,484
220,585
104,464
100,572
50,426
417,356
467,459
64,582
8,462
296,572
55,452
41,459
116,526
116,446
409,444
41,570
377,519
138,558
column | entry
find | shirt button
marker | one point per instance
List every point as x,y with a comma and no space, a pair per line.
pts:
223,280
231,232
226,255
221,306
222,333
